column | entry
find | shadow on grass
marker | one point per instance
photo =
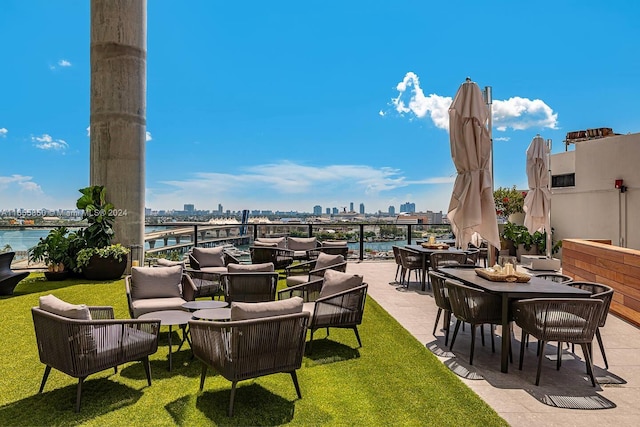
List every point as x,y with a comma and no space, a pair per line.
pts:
254,405
56,407
326,351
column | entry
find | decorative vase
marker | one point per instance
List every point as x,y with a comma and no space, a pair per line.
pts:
517,218
104,268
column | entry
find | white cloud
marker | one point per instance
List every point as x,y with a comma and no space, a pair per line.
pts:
64,63
88,130
22,182
46,142
147,136
3,132
516,113
523,113
411,99
299,185
502,138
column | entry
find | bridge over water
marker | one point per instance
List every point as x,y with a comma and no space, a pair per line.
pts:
182,238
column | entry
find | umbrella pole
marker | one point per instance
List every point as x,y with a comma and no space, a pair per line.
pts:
488,99
549,236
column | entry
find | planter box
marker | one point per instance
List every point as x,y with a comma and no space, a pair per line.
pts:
104,268
540,262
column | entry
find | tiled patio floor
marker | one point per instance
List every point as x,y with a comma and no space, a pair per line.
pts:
514,395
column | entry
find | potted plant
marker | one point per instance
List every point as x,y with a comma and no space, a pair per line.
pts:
509,203
53,251
99,259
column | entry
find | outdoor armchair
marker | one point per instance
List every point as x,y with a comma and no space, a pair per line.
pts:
336,301
300,246
9,279
79,340
441,297
410,261
261,339
281,258
206,266
311,270
572,320
154,289
249,286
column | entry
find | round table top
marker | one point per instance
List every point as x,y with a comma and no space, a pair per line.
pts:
168,317
201,305
213,314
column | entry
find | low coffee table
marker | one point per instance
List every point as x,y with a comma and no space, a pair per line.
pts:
171,318
201,305
213,314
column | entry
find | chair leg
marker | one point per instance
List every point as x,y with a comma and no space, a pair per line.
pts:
147,369
435,326
522,346
355,330
233,395
482,333
455,333
47,370
601,345
311,340
473,343
493,342
294,377
540,356
79,393
447,326
559,356
589,362
203,375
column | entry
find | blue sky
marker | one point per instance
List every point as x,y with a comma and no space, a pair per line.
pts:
283,105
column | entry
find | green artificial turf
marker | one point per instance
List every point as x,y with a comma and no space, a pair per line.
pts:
391,380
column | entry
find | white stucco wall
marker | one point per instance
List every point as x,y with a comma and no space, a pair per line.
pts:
594,208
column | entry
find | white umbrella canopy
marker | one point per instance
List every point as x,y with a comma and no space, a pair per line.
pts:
537,203
472,208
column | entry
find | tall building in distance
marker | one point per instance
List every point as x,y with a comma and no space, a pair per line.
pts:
361,208
220,208
392,210
189,207
334,211
351,207
408,207
317,210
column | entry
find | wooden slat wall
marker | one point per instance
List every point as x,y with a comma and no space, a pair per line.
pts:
599,261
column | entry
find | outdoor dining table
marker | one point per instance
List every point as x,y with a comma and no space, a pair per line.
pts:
425,253
509,291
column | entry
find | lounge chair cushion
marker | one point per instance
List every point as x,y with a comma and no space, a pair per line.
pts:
326,318
296,280
279,241
214,270
149,282
55,305
301,243
163,262
142,306
266,267
334,243
209,257
326,260
337,281
265,244
255,310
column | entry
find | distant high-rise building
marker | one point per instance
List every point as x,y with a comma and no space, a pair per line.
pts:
351,207
392,210
328,211
220,208
317,210
335,211
361,208
408,207
189,207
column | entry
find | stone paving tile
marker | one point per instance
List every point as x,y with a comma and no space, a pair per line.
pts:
514,395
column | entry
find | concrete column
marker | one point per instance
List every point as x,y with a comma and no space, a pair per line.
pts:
118,110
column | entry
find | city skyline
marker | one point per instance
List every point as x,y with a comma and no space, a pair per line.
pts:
288,105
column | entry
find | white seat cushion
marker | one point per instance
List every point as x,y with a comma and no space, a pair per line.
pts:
143,306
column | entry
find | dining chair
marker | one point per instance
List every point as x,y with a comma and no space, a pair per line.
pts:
441,297
555,277
572,320
605,294
411,261
475,307
439,259
396,257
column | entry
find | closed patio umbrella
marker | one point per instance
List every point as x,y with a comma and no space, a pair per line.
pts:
472,208
537,203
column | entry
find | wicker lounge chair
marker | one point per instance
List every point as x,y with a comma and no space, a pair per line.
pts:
249,286
206,266
261,339
9,279
281,258
91,342
313,270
